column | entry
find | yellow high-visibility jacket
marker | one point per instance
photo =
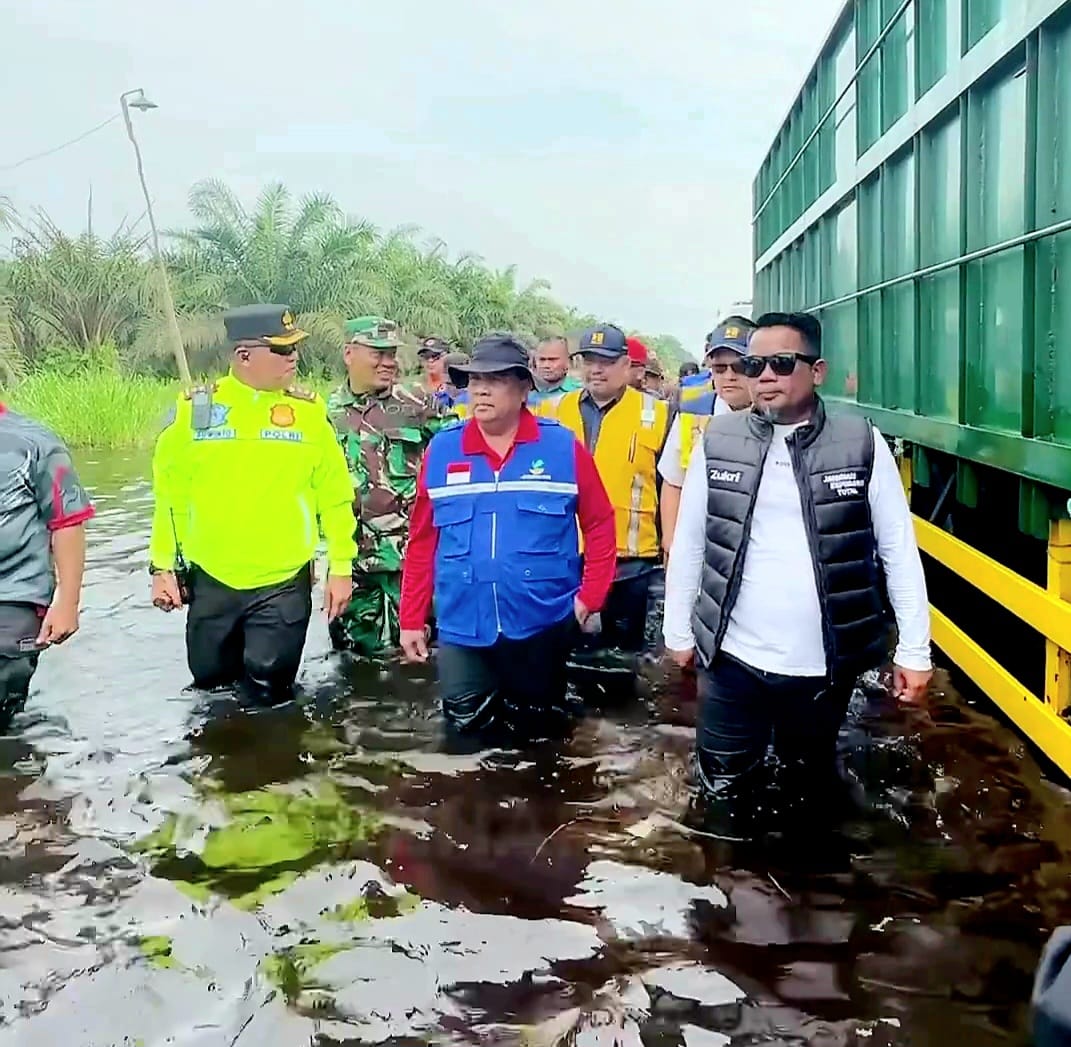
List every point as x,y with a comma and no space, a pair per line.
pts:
692,428
243,495
626,455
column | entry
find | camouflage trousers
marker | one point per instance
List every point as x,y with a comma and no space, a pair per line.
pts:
369,626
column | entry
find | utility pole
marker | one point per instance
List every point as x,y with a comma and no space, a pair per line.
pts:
136,100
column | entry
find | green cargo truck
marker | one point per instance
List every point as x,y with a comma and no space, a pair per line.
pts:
918,198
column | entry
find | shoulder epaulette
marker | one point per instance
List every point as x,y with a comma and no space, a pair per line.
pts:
208,387
297,392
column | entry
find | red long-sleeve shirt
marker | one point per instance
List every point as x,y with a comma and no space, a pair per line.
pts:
594,513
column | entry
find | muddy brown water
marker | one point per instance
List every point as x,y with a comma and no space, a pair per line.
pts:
176,870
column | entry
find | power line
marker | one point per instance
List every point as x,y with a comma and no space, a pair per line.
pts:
58,148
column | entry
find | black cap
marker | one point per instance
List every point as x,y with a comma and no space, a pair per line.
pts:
272,324
493,354
433,347
604,340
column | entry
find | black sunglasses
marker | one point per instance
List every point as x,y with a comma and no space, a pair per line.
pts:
782,364
283,350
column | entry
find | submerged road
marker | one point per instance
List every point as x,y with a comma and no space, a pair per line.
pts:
175,870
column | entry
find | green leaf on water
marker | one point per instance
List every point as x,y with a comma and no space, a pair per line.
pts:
157,950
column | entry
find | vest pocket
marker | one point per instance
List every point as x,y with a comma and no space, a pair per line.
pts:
455,597
545,521
453,519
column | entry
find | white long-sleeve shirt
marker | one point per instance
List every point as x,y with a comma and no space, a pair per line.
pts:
776,623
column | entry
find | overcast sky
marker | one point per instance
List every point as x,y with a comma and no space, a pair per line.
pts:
607,145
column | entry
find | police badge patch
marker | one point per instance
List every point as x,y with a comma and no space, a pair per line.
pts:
282,415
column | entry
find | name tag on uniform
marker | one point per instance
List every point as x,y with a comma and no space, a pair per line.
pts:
213,434
846,483
290,435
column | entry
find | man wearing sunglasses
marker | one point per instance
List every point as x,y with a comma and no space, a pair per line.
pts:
793,523
432,356
246,475
719,390
383,429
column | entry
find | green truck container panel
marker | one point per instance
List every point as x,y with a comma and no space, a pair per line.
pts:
918,198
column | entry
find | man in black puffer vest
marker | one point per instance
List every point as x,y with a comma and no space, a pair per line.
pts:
793,525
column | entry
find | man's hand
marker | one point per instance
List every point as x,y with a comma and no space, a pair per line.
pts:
60,622
165,591
415,644
682,658
910,685
581,612
338,589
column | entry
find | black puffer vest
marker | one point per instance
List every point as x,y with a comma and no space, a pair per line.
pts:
832,458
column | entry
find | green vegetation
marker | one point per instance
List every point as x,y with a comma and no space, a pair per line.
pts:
157,950
101,408
271,838
83,340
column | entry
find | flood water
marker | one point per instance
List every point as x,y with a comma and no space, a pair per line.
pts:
175,870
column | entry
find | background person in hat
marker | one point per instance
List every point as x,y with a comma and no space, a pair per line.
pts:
624,429
383,429
654,377
432,354
718,390
246,474
637,357
494,534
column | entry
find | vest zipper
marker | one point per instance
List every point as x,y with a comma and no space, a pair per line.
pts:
494,553
732,587
810,525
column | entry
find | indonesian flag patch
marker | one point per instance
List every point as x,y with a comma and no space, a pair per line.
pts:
458,473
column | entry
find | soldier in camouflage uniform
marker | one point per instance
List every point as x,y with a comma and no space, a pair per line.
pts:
383,429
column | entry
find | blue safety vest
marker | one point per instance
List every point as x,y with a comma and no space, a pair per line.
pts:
697,394
507,562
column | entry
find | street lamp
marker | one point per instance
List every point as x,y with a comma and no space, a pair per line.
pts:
136,100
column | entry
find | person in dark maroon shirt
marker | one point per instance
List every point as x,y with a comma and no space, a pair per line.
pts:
501,507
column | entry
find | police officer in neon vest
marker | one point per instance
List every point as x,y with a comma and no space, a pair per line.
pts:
494,537
624,429
246,475
718,390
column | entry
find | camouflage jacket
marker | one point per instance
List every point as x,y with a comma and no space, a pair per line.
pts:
383,438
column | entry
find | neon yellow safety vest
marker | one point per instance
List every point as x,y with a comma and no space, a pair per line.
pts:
248,489
692,428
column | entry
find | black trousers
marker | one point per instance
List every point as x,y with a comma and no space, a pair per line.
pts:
743,709
19,625
517,686
249,636
627,609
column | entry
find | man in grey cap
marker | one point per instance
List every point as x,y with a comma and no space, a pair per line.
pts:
493,535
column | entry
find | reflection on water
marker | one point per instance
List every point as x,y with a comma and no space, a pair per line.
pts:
175,870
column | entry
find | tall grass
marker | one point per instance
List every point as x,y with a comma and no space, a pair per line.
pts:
95,408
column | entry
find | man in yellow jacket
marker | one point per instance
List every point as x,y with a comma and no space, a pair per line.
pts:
246,474
624,429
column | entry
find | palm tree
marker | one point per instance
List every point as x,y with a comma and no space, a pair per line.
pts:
84,292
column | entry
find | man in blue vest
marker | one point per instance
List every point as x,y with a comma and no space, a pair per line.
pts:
494,538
